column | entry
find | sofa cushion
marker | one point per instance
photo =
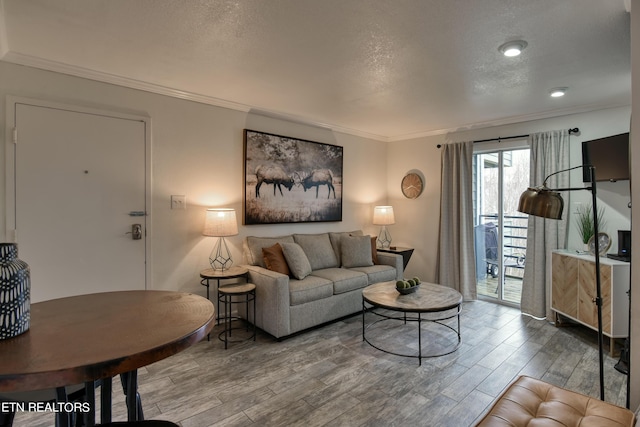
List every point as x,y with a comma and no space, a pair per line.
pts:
344,280
311,288
378,273
318,249
253,247
296,259
274,259
356,251
336,238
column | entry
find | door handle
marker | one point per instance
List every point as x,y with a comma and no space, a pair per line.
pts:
136,231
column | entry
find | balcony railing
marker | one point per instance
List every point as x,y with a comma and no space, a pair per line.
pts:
514,240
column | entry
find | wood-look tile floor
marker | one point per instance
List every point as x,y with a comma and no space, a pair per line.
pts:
330,377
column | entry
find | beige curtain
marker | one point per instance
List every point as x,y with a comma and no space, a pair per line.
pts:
549,154
457,264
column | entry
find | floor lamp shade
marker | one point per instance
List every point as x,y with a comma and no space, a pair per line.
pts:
383,215
220,223
542,202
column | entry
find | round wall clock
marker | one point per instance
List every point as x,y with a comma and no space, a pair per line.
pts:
412,185
604,243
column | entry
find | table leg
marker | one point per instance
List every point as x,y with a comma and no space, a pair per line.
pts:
419,337
62,418
218,306
90,398
246,307
227,319
134,403
363,310
205,282
106,390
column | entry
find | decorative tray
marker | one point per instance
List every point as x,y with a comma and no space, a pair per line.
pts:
406,291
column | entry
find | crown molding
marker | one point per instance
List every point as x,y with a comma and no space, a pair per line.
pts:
72,70
59,67
510,120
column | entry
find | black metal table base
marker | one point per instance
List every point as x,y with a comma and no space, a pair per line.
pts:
419,319
227,299
132,399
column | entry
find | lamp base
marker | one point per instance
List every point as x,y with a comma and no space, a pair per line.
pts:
220,257
384,238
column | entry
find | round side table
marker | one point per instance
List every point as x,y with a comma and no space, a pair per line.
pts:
243,293
218,275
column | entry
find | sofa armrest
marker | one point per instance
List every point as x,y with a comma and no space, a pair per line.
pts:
394,260
272,300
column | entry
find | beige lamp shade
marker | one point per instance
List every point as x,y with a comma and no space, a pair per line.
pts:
383,215
220,222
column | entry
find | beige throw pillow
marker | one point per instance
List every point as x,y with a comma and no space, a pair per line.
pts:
296,259
356,251
318,249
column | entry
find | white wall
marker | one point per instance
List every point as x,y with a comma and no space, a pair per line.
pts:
197,150
417,220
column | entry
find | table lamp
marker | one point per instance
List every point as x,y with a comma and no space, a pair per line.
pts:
220,222
383,215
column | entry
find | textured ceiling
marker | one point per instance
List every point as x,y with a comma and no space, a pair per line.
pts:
387,69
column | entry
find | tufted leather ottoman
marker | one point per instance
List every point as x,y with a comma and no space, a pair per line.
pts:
531,402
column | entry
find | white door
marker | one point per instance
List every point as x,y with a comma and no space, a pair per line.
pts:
80,185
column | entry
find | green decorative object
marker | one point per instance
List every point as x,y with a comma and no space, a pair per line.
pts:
584,222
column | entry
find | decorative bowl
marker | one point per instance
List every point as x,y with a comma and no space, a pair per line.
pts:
406,291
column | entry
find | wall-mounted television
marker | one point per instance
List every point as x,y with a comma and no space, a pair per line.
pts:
610,157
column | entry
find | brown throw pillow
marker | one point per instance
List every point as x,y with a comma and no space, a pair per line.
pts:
374,249
274,259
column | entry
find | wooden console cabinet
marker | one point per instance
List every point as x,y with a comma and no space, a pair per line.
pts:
573,292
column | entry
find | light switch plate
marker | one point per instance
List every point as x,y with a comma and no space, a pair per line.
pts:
178,202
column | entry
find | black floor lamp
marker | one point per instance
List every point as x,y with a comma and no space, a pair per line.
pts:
547,203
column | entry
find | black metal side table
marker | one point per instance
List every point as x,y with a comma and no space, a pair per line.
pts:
405,252
243,293
218,275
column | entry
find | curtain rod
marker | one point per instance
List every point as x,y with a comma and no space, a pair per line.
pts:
500,138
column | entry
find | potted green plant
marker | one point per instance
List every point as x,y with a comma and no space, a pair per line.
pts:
584,222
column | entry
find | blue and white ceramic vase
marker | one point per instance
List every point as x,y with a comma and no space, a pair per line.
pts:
15,292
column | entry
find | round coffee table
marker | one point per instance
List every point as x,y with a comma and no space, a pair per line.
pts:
430,303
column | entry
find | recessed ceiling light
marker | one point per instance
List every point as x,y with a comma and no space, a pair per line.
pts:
513,48
557,92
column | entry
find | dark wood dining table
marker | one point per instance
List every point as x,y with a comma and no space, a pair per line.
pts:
94,337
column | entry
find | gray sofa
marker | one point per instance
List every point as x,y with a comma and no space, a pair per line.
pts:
327,274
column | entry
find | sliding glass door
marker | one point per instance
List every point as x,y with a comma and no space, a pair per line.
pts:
500,230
